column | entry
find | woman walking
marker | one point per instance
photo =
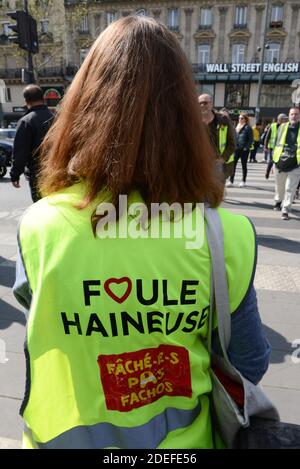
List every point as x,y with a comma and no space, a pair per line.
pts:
244,138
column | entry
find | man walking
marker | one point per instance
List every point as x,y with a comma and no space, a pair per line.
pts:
269,141
286,157
221,133
30,133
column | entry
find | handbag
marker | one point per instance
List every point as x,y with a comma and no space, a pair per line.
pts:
287,161
234,399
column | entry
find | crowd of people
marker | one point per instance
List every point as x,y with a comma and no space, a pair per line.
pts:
280,141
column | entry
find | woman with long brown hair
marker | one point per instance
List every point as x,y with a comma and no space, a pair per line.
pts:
118,313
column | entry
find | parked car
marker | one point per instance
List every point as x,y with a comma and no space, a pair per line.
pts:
6,148
7,134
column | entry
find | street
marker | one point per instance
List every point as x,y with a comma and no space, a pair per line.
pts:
277,282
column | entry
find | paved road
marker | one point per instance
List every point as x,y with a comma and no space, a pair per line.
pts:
13,202
277,282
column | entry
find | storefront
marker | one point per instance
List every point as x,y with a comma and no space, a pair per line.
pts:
235,87
12,114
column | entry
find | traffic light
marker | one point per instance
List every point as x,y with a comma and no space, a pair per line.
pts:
34,40
21,28
26,29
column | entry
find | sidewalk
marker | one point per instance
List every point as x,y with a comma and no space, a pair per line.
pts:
277,282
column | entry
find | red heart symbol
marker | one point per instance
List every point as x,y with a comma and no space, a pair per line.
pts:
118,281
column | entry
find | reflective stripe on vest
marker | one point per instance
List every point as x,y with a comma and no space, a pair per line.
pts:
271,141
282,133
106,435
99,363
223,141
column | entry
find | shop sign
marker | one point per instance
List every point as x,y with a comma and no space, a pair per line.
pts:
252,68
18,109
235,112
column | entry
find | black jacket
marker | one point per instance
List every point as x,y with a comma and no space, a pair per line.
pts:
31,130
244,138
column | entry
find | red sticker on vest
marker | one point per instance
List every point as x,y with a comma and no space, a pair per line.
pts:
134,379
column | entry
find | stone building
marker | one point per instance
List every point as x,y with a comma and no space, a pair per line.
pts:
49,63
221,38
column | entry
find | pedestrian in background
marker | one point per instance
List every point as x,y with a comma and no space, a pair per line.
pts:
269,141
286,157
244,137
221,133
256,129
31,130
129,368
262,142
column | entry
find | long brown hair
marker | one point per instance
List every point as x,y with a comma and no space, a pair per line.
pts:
131,120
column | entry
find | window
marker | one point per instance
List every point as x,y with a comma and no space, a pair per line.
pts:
97,23
241,16
277,13
83,54
84,25
173,18
238,53
272,54
141,12
275,96
111,16
203,53
206,88
205,17
6,30
8,96
237,95
44,26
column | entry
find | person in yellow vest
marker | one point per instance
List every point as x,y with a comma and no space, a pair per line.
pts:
116,343
221,133
286,157
256,129
269,141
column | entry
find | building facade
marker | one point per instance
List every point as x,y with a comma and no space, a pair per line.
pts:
49,63
222,39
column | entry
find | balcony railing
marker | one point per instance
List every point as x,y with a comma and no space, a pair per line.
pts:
47,72
50,72
240,26
173,28
276,24
10,73
204,26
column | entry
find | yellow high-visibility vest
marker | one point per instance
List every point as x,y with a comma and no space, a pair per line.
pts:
280,143
271,141
223,129
116,354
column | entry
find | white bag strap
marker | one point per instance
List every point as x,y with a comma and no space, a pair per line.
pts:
219,299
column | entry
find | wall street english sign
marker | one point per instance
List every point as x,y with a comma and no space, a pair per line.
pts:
252,68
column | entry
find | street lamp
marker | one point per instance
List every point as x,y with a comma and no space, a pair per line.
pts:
264,47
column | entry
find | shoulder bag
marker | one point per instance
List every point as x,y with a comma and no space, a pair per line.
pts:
234,399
